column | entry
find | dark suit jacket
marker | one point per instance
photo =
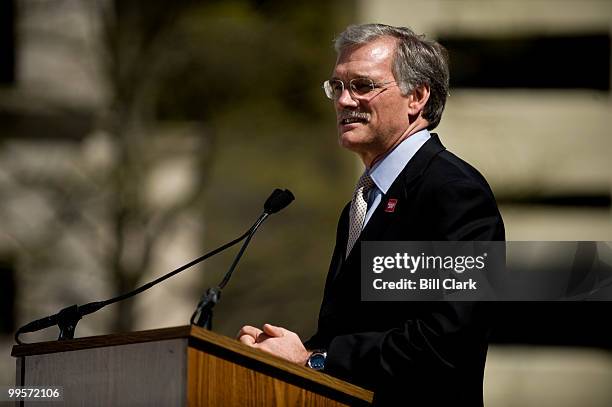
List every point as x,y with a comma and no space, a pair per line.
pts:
425,353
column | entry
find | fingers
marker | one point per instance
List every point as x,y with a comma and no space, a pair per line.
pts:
249,331
273,331
252,336
247,340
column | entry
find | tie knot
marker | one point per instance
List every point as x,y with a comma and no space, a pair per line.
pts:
365,182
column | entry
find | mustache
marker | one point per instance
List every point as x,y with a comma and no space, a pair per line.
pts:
352,114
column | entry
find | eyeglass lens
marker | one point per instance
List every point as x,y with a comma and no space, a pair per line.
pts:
359,86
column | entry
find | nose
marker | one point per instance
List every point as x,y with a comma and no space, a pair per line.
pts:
346,100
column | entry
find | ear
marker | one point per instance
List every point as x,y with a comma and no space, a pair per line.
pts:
417,100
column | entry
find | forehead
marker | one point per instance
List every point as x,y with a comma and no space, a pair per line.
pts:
373,59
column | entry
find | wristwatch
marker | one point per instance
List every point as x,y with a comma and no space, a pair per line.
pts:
316,360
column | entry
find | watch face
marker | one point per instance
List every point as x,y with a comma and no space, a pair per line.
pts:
317,361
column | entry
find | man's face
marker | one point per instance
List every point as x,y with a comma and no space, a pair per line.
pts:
383,113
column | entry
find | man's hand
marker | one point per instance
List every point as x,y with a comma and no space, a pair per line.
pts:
275,340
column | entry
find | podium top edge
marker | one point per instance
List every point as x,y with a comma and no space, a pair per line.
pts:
89,342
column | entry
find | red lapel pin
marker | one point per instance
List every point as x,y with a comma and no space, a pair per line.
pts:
391,203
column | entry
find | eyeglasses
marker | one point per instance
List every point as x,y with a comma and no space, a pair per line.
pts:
358,87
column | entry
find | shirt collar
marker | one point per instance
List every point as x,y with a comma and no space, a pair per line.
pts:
385,171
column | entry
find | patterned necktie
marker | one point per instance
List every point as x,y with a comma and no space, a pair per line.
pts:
359,208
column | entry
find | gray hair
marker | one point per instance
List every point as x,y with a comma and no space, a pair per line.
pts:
418,61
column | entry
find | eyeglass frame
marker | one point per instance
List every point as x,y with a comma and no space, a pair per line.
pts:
351,90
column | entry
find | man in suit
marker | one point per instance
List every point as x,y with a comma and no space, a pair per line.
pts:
389,88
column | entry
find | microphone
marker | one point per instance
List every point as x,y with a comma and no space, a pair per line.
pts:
202,316
67,318
39,324
278,200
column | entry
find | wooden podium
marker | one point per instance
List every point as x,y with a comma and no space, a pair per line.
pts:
182,366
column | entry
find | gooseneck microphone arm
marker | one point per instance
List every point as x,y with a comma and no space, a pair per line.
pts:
67,318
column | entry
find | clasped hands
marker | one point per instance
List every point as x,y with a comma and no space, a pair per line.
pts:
275,340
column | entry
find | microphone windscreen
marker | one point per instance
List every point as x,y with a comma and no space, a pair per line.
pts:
278,200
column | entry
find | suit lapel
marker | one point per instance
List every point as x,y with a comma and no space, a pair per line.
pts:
339,256
381,218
